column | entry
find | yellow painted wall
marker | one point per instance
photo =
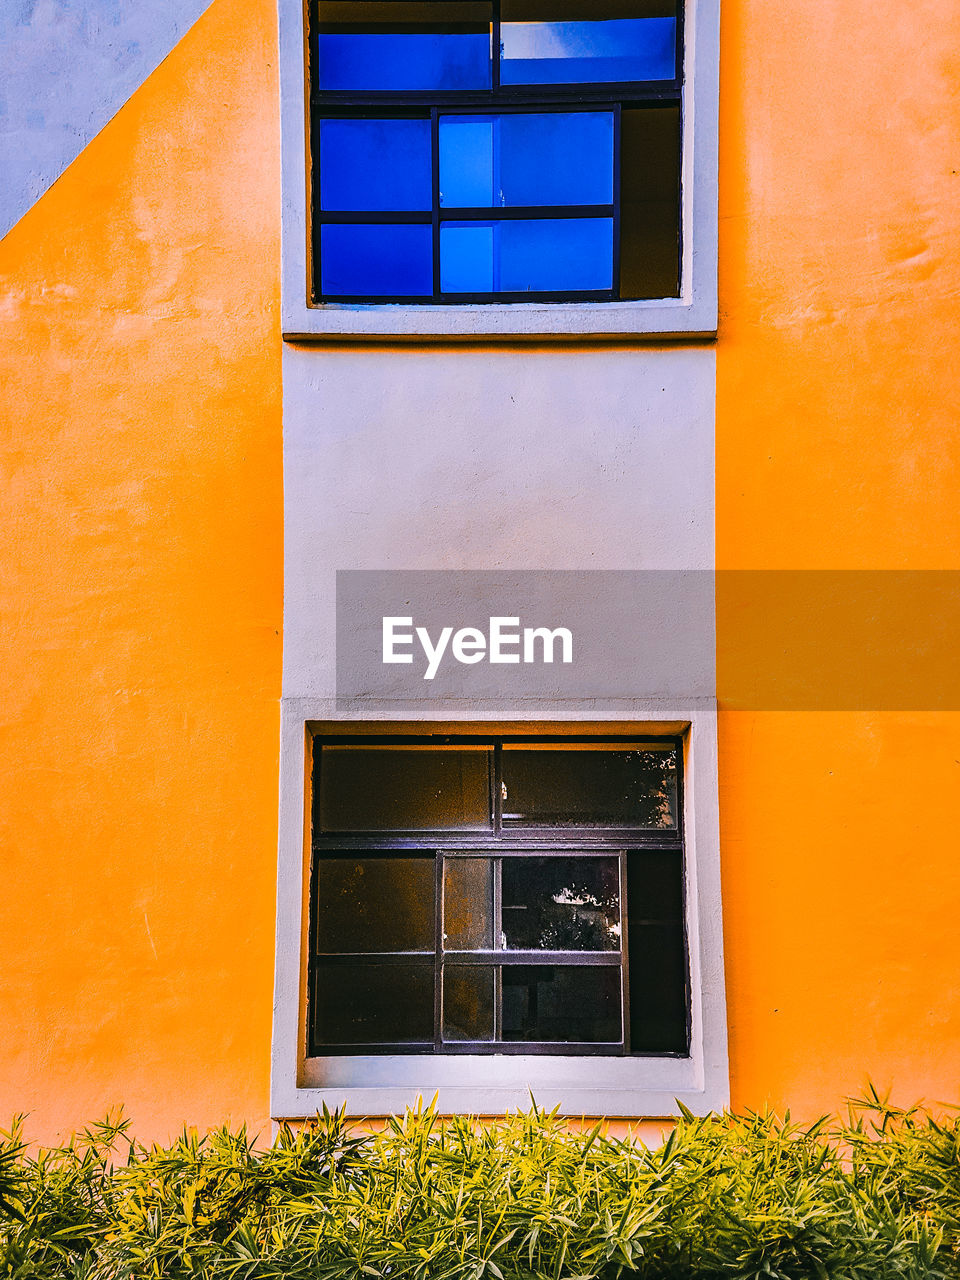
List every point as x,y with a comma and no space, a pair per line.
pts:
141,588
141,604
837,447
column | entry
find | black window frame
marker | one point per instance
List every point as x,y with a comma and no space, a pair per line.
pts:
610,96
513,842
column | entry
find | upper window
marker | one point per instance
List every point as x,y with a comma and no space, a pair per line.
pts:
497,895
495,150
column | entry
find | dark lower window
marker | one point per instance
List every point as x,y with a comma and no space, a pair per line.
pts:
497,895
495,151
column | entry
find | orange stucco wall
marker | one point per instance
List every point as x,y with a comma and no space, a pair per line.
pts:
837,402
141,603
142,587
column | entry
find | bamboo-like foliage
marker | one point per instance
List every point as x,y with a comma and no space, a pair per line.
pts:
876,1197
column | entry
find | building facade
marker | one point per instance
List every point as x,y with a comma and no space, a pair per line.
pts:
252,867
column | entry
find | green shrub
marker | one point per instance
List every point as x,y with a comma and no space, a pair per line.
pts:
731,1196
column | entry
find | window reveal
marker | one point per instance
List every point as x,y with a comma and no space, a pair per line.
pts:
497,896
498,151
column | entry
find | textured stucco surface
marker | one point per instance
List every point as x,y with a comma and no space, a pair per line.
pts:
140,605
838,397
66,67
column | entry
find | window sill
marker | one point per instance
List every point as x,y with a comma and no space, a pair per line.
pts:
669,318
625,1087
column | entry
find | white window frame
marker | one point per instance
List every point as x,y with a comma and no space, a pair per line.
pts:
692,314
632,1086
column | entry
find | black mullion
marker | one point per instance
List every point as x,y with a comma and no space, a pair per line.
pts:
536,843
497,946
372,216
540,97
540,1048
453,739
495,46
498,905
557,959
680,45
527,212
497,1004
335,958
435,188
497,789
438,951
616,199
624,953
466,299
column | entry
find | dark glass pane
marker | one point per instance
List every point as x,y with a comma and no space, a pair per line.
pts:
375,164
468,1002
468,904
372,261
658,960
401,789
563,1004
588,51
650,203
374,904
526,158
541,255
584,10
590,786
561,904
369,1003
392,46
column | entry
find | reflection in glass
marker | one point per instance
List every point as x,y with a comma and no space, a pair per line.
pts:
468,904
526,158
561,904
371,1003
468,1002
650,202
375,164
376,260
609,786
401,788
588,52
521,256
562,1003
385,47
374,904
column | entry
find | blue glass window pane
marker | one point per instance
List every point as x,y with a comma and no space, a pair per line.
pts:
526,158
375,164
542,255
466,257
587,52
403,60
556,253
373,261
467,161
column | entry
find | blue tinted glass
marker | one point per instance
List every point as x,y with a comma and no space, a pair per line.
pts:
526,158
375,164
466,161
543,255
586,52
466,257
381,260
404,60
